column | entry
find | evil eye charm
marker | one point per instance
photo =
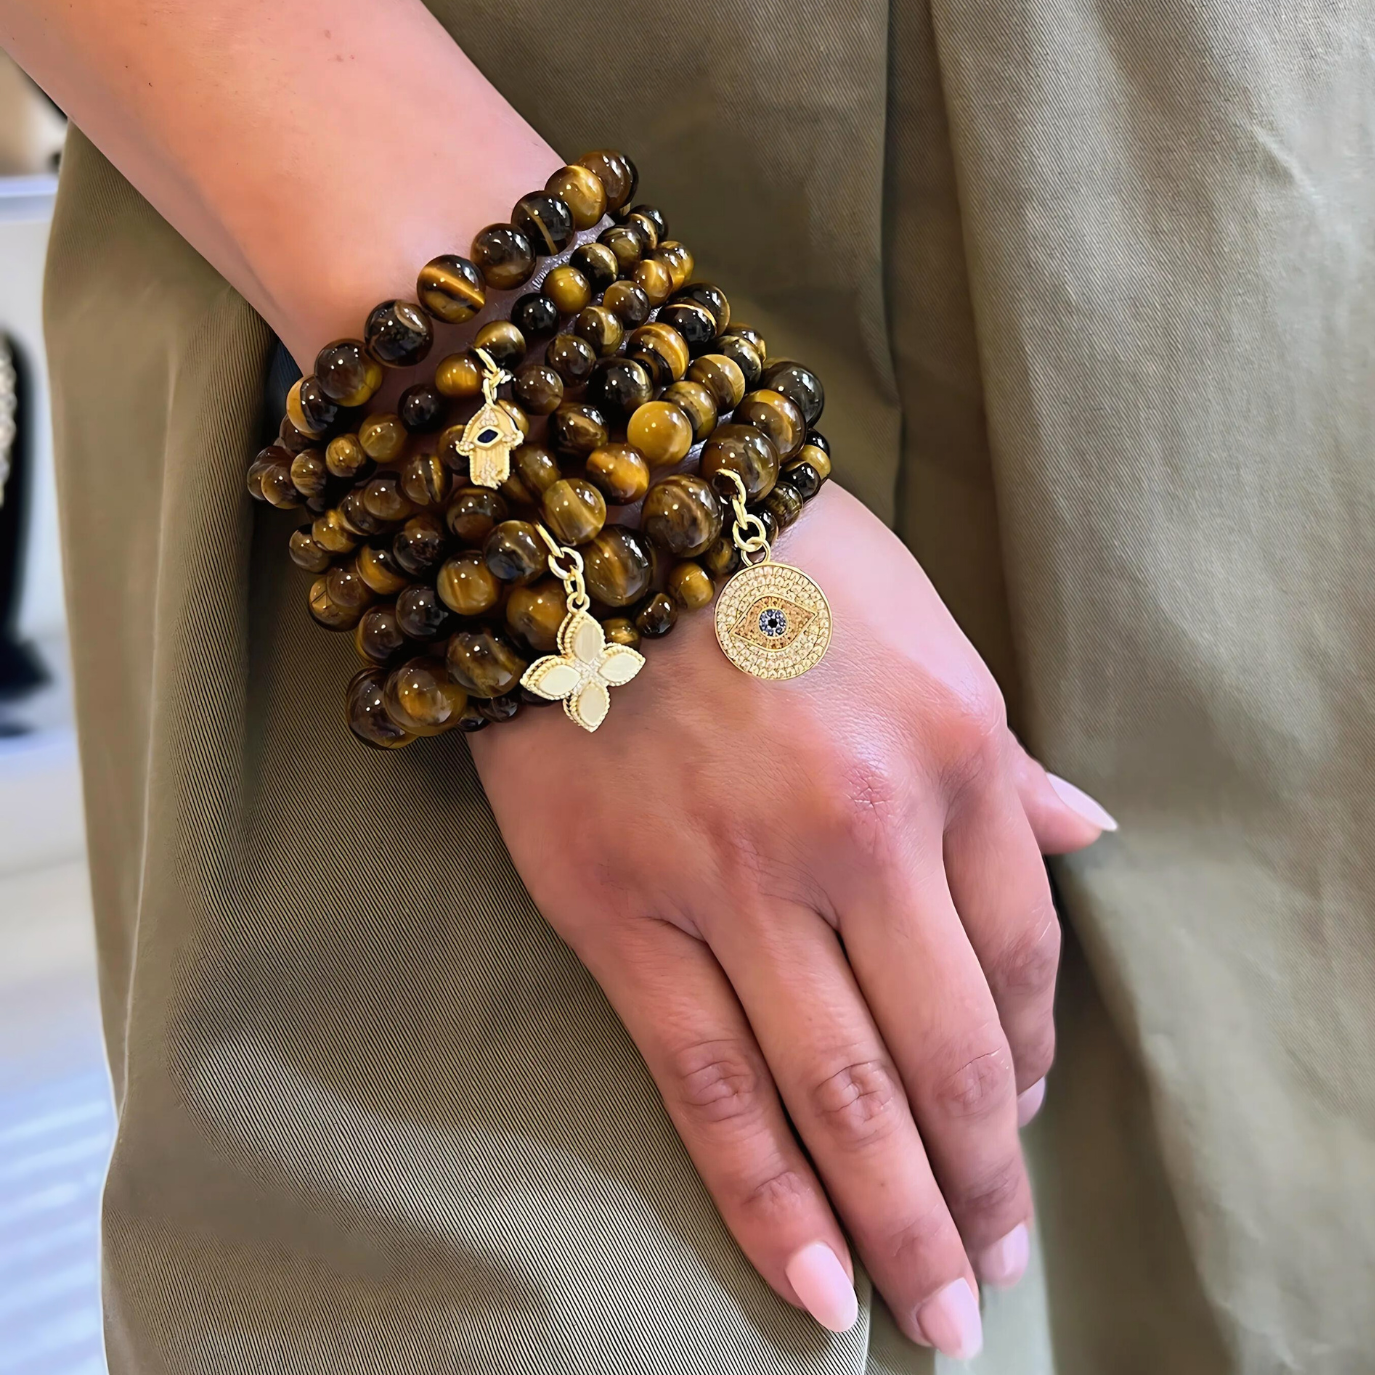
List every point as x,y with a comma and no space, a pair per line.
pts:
773,621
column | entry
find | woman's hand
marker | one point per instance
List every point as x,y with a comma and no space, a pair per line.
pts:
824,896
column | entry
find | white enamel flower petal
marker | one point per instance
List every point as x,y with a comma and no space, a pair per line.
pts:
619,664
553,677
584,639
589,705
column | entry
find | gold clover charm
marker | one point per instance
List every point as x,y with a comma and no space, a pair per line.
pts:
584,670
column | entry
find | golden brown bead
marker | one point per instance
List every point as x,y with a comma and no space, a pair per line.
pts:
275,455
535,613
425,480
504,256
292,439
618,565
661,432
616,173
521,419
316,422
377,566
597,263
799,384
572,358
458,375
711,296
819,458
654,279
328,612
574,510
690,585
347,589
516,492
751,336
747,357
601,328
306,552
697,403
484,662
277,488
534,314
576,428
451,453
779,418
383,437
645,226
309,475
515,553
569,290
621,631
421,697
682,514
802,475
398,334
377,637
466,585
628,303
625,243
619,472
421,615
677,257
722,377
581,190
366,715
383,498
545,220
500,708
657,616
784,504
451,288
538,388
664,346
748,452
421,408
537,467
504,343
722,558
331,532
355,515
419,545
347,373
619,385
474,513
344,456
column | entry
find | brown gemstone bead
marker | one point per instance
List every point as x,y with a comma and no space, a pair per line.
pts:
534,314
654,279
722,558
309,475
451,288
503,255
657,615
306,552
572,358
535,613
621,631
420,613
597,263
746,356
451,455
425,480
421,408
576,428
330,531
601,328
344,456
697,403
377,566
644,225
382,436
616,173
677,257
292,439
383,498
813,454
474,513
521,419
418,546
661,432
784,504
366,715
498,709
537,468
545,220
681,514
574,510
466,585
569,290
690,585
746,451
355,515
347,373
619,472
515,553
779,418
308,408
538,388
663,343
421,697
328,612
803,476
398,334
619,385
799,384
516,492
628,303
581,190
711,296
618,565
377,637
274,481
472,719
626,244
819,439
722,377
693,322
751,336
275,455
504,343
347,589
484,662
458,375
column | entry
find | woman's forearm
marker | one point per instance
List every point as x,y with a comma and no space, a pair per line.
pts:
315,155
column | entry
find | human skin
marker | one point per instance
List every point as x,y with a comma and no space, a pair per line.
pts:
820,900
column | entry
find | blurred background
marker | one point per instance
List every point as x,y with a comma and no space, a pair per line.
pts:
55,1118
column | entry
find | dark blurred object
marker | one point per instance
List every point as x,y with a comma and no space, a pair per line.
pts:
20,669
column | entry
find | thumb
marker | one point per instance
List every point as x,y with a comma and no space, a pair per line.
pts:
1063,818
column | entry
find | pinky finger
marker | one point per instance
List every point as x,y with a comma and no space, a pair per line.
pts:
683,1015
1063,818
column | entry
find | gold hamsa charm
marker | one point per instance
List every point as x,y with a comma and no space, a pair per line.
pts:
492,435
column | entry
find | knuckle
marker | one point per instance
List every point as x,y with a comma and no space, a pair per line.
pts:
1035,1054
1032,956
868,801
924,1243
859,1104
716,1081
973,1082
783,1192
994,1195
974,727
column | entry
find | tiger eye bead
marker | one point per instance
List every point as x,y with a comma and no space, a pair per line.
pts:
626,244
418,546
574,510
664,344
451,288
366,715
498,709
538,388
327,611
615,171
459,375
681,514
693,322
347,589
799,384
355,515
308,408
601,328
746,356
309,475
722,377
695,402
522,421
534,315
484,662
581,190
597,263
421,408
420,613
751,336
722,559
819,439
619,630
545,220
377,566
537,468
779,418
515,553
536,612
619,472
657,616
271,457
627,303
384,500
277,487
711,296
344,456
677,257
330,532
502,341
421,697
572,358
451,454
504,256
398,333
654,279
576,428
746,451
382,436
292,439
347,373
644,225
306,552
784,503
690,585
816,457
619,385
474,513
425,480
661,432
466,585
568,289
377,637
618,565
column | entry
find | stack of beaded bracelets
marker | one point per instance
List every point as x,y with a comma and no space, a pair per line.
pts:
457,550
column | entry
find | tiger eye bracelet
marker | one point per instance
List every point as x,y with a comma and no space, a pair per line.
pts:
481,541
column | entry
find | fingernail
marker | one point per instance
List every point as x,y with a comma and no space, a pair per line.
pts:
1077,800
820,1281
1005,1262
1029,1102
950,1322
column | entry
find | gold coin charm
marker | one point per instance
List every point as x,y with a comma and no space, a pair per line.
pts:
773,621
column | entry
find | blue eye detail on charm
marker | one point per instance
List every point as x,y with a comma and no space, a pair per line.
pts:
773,622
488,436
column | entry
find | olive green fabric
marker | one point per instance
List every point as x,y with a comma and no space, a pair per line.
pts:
1089,285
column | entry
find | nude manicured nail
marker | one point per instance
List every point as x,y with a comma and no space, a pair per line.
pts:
950,1322
1005,1262
820,1281
1077,800
1029,1102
